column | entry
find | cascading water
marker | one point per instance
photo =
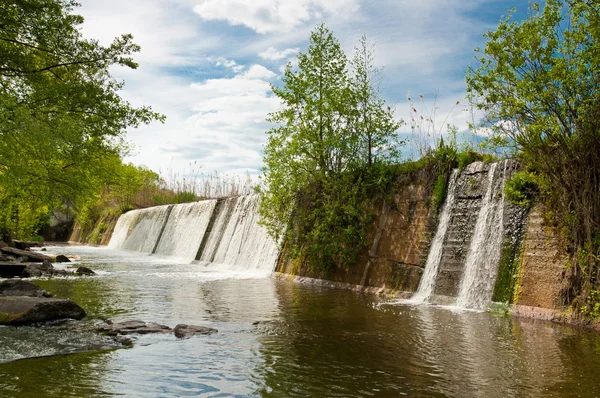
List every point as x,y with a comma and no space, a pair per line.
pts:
185,229
428,279
139,230
481,265
464,257
223,233
238,240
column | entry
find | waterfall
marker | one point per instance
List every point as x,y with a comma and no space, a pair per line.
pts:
236,238
465,253
427,283
139,230
185,229
224,233
483,257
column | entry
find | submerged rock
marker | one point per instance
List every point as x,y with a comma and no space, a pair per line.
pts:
134,327
37,269
140,327
62,259
84,271
185,331
26,310
17,287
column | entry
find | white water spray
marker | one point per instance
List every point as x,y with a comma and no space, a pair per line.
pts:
427,283
483,257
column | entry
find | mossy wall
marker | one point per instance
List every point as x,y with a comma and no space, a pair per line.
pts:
398,242
98,232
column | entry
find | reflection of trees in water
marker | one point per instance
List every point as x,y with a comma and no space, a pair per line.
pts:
333,343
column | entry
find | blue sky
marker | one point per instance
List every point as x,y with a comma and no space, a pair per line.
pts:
208,65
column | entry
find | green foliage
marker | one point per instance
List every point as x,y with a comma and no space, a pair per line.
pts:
539,84
329,150
60,113
522,188
439,191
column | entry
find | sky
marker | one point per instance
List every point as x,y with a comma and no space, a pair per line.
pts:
208,65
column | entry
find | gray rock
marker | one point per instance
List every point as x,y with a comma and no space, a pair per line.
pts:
84,271
62,259
24,245
17,287
26,310
124,340
183,331
10,269
31,256
36,269
134,327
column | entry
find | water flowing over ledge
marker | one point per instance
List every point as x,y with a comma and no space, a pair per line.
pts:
224,231
461,264
464,257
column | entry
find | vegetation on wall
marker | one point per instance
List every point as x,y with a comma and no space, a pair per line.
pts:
539,85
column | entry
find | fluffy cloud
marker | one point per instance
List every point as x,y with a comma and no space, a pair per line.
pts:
272,54
219,119
268,16
258,72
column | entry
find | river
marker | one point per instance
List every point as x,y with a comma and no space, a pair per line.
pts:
280,339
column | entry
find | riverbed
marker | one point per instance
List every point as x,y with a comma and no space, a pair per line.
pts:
280,339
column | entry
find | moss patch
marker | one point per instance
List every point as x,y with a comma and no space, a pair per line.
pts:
508,272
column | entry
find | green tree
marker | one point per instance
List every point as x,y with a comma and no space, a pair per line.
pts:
539,83
320,154
61,114
375,126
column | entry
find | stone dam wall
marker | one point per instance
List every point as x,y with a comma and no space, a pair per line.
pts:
530,270
398,244
531,265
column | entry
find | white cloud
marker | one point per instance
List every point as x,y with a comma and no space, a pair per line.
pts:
272,54
268,16
258,72
424,46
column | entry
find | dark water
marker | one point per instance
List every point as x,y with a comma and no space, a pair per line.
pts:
278,339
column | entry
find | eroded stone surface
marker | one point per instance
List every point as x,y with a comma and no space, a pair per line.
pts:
134,327
9,269
17,287
26,310
183,331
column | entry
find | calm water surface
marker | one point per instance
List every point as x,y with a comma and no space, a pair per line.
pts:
278,339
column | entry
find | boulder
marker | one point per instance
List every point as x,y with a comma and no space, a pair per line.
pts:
31,256
62,259
134,327
26,310
18,287
84,271
3,244
183,331
10,269
36,269
23,245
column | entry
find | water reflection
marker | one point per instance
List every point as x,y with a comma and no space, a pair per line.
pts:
279,339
